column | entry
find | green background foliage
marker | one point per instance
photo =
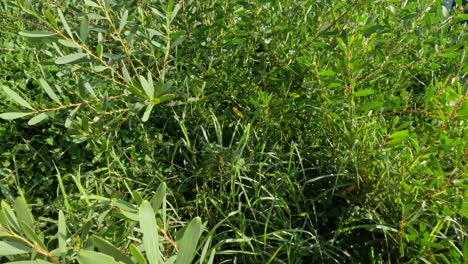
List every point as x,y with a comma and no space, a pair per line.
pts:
233,132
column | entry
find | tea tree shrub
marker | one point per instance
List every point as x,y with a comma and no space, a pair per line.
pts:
232,131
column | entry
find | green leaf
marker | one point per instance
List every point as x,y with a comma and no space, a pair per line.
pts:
175,11
13,115
37,34
123,20
71,117
36,261
147,112
364,92
107,248
22,211
137,255
92,257
64,23
150,233
70,58
50,92
189,241
37,119
62,233
398,137
166,97
68,43
147,86
16,97
32,236
10,216
91,3
159,197
84,29
8,248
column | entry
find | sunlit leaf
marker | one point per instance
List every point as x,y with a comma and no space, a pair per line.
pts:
150,233
8,248
50,92
23,212
62,233
37,34
70,58
16,97
189,241
13,115
92,257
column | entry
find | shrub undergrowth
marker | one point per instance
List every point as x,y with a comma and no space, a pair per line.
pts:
233,132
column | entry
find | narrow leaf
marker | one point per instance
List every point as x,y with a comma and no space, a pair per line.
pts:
68,43
64,23
16,97
137,255
50,92
37,119
8,248
22,211
107,248
159,197
147,112
71,117
32,236
10,216
13,115
70,58
123,20
189,241
150,233
92,257
149,90
175,11
84,29
91,3
62,233
37,34
364,92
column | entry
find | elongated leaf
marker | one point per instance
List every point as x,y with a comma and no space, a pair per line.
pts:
64,23
16,97
37,119
71,117
92,257
36,261
149,89
150,233
147,113
107,248
32,236
23,212
91,3
123,20
211,259
137,255
37,34
175,11
159,197
364,92
8,248
84,29
90,89
13,115
189,241
70,58
50,92
62,233
10,216
68,43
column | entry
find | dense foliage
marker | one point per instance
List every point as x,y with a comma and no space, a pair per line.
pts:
233,131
